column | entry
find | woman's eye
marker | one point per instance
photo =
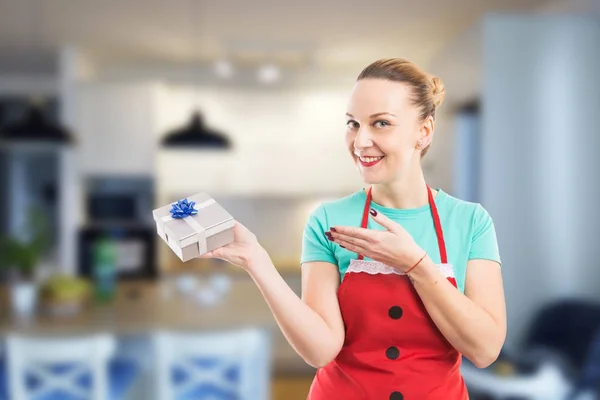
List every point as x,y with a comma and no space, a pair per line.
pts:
381,123
352,124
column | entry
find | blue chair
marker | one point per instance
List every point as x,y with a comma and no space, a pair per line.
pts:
230,365
66,368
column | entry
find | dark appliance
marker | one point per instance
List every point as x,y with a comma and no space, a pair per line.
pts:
120,208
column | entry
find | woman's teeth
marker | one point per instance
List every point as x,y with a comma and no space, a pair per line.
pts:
370,159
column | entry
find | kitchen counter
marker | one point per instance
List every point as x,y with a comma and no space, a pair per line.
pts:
143,307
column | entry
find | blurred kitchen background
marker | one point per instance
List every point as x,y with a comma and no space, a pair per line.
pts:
109,109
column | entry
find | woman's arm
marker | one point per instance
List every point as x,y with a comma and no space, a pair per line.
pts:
474,323
312,325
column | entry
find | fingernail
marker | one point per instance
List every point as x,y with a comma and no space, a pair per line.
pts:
342,246
373,212
328,235
333,230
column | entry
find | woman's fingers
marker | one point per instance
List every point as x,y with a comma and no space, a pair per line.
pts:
210,254
352,247
347,240
384,221
220,253
366,235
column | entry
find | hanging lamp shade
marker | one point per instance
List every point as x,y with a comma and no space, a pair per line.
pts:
196,134
36,126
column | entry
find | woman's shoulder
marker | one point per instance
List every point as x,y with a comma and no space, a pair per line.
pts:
324,215
338,208
461,209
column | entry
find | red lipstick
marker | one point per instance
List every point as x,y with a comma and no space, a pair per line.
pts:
369,161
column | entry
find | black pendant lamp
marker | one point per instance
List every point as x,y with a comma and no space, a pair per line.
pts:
196,134
35,126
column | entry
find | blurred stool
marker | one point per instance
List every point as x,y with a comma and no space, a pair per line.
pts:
224,365
65,368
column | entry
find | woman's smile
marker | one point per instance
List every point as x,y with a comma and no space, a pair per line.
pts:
367,161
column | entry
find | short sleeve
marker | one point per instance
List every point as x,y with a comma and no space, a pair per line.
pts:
484,243
315,245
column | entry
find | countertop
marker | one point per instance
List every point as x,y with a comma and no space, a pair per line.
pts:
141,307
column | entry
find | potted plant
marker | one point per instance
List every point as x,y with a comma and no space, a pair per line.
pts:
19,259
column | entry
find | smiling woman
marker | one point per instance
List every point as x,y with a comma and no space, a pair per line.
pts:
396,101
399,280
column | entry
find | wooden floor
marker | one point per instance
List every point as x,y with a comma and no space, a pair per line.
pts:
291,388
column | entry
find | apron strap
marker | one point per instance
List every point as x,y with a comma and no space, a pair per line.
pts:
365,218
438,227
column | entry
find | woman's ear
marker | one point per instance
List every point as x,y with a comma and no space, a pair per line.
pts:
426,133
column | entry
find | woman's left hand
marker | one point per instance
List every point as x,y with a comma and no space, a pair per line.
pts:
393,246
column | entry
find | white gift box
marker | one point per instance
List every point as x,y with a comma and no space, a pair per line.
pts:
193,231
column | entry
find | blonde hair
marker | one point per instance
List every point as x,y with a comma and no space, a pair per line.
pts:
428,91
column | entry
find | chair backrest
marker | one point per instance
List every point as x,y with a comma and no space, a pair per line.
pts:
589,381
222,365
62,368
567,326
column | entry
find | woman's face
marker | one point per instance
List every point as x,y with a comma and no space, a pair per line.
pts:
383,129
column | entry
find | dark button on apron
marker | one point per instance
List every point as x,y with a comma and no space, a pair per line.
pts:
396,396
392,353
395,312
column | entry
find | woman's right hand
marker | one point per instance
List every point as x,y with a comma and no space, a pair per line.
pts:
242,252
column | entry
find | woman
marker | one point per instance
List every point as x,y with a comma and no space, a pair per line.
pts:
398,280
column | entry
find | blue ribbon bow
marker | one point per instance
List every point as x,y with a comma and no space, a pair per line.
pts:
183,208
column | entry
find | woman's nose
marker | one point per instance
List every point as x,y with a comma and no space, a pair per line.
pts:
363,139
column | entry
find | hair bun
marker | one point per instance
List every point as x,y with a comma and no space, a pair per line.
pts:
437,90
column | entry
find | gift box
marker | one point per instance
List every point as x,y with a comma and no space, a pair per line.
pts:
194,226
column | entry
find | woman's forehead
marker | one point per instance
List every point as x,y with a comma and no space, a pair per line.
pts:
372,96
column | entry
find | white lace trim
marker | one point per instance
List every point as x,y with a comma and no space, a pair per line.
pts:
375,267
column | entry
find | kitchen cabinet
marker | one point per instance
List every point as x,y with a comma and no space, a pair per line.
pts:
116,128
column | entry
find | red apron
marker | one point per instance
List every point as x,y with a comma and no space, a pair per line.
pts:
392,348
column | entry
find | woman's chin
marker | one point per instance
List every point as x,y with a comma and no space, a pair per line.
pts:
370,178
373,174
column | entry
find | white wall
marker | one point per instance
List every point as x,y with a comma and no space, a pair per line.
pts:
539,157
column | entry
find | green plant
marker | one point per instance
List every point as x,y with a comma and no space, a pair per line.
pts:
23,255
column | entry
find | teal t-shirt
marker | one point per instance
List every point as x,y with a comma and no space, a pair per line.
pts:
468,229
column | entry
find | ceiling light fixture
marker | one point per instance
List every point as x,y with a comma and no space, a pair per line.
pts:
196,134
224,69
269,73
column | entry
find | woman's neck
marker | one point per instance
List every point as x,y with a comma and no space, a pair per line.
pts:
409,192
